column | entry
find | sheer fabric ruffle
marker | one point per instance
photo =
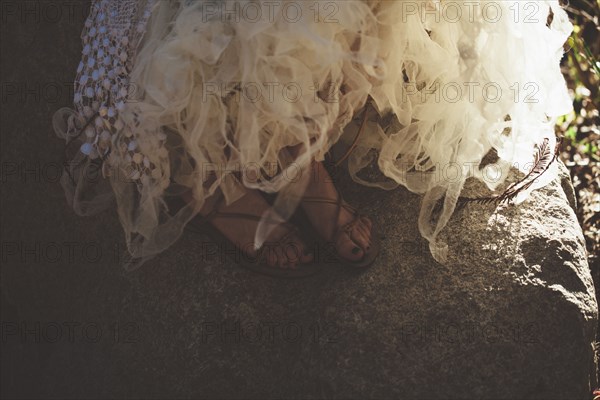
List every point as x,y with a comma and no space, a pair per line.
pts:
211,94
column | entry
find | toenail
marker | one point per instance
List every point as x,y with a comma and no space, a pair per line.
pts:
355,250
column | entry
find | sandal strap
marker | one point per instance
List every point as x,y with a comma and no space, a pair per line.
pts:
339,203
347,228
215,213
281,241
212,214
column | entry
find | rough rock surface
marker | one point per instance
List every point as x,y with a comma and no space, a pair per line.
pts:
512,315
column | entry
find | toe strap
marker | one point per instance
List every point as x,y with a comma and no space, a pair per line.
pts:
280,241
348,228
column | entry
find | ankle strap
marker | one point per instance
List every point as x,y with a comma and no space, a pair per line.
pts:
339,203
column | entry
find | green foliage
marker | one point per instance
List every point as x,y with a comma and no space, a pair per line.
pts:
581,129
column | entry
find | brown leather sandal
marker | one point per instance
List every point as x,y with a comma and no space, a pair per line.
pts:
257,264
370,255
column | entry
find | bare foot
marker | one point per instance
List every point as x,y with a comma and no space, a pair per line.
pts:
351,243
283,249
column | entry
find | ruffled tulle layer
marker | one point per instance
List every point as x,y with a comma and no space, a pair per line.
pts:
222,89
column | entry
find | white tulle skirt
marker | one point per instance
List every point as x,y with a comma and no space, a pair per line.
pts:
218,90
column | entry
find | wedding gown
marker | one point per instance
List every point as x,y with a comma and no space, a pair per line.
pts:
178,95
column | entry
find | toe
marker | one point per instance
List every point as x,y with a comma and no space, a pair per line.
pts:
365,225
306,257
296,252
361,235
271,257
292,253
348,249
359,238
281,257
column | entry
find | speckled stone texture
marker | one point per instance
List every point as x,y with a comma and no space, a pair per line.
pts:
512,316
